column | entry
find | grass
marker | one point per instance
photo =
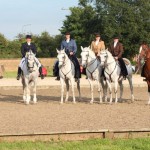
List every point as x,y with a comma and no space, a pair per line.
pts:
93,144
13,74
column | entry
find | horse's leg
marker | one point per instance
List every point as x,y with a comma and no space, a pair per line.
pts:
78,87
116,88
131,87
104,87
121,89
28,94
91,88
72,85
67,89
34,93
149,98
24,90
110,90
62,90
99,90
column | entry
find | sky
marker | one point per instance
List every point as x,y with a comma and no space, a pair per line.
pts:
33,16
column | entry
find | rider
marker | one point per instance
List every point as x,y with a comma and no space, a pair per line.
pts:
116,49
26,47
70,48
97,45
143,48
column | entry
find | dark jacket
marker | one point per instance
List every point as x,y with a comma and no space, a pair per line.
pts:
116,51
69,47
26,48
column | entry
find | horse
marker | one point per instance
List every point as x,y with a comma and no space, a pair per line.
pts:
112,72
93,71
30,75
145,54
67,73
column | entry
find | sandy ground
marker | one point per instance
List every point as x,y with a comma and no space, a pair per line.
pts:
50,116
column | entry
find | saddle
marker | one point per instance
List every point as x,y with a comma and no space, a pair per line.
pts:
126,61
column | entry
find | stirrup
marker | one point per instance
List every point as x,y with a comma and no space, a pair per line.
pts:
42,76
58,78
18,76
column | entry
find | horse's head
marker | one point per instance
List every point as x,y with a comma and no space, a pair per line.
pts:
87,55
30,56
103,56
62,57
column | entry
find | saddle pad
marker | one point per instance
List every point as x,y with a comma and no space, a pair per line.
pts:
126,61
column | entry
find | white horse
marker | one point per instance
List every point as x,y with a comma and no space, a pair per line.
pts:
66,73
30,76
93,71
112,74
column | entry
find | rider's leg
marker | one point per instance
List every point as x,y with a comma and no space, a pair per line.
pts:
142,73
19,73
40,68
123,68
56,70
19,68
77,67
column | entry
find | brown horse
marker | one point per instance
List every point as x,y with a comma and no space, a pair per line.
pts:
146,68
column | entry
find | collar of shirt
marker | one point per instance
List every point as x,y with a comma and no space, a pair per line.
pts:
67,40
96,42
29,43
115,43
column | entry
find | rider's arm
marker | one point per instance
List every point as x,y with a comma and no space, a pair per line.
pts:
34,48
121,51
23,51
62,45
74,47
103,45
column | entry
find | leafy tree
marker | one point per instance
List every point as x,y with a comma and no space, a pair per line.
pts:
127,18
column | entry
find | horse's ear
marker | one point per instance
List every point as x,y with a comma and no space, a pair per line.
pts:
107,49
57,50
81,48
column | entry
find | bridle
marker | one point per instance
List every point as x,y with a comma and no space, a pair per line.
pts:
88,65
106,65
64,62
29,66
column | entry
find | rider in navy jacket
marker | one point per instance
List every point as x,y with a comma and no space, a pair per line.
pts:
70,48
26,47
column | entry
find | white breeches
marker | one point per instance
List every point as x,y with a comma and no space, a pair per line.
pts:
22,62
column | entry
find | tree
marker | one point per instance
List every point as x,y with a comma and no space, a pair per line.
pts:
127,18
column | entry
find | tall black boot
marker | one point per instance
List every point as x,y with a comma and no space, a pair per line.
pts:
41,74
19,73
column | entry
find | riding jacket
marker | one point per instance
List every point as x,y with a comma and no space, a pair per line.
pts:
26,48
69,46
116,51
97,47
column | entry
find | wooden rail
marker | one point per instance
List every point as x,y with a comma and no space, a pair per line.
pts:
76,135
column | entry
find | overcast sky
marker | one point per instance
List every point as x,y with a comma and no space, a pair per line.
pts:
35,16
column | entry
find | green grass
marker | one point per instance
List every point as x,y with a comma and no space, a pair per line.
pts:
97,144
13,74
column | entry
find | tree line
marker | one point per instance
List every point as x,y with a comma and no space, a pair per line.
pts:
129,19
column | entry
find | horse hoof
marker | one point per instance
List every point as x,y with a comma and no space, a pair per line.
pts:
91,102
27,103
61,103
74,102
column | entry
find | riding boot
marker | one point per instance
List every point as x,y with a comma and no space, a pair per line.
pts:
19,73
41,74
124,71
